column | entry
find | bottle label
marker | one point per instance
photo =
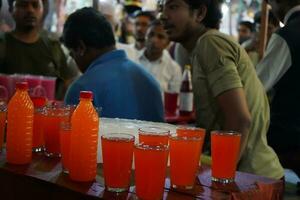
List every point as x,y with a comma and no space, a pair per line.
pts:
186,101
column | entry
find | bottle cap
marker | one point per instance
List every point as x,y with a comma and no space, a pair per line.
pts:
22,85
38,101
86,94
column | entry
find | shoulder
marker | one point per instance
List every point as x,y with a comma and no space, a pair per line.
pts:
170,62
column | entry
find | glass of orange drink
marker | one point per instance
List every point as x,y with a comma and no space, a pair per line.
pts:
185,152
3,110
150,170
154,135
117,152
225,148
54,114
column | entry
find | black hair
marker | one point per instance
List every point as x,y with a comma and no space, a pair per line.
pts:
249,25
140,13
272,18
214,14
89,26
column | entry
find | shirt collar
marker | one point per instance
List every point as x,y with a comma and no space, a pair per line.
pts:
143,57
290,13
112,55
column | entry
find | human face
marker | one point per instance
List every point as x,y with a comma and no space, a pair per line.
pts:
156,39
244,33
141,24
28,14
79,56
178,20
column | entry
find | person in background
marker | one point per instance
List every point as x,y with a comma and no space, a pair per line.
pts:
279,71
6,20
227,92
121,87
142,20
156,59
252,45
245,31
109,10
28,50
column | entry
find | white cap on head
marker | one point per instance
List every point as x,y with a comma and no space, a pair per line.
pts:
111,9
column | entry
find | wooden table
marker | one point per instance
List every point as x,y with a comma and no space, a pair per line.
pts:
43,179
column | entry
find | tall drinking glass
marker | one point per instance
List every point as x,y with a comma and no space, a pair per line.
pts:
3,110
184,160
65,135
154,135
53,116
117,151
225,148
150,170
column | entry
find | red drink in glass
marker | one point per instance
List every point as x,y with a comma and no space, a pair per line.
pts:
65,135
192,132
2,127
225,148
38,141
170,103
117,151
154,136
150,170
53,116
184,160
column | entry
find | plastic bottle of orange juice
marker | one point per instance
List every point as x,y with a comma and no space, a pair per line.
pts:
84,140
19,126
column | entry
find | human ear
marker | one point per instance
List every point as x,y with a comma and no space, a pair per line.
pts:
201,13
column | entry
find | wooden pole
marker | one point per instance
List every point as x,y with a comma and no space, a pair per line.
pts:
263,28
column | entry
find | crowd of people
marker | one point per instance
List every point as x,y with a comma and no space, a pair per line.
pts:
128,80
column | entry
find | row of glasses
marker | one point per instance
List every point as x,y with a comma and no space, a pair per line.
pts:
151,156
150,160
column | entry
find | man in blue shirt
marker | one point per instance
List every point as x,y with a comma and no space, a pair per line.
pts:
122,88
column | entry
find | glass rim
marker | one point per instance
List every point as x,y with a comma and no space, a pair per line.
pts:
155,147
185,138
191,128
220,132
118,137
152,130
3,106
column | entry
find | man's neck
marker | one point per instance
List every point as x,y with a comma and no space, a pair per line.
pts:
190,43
153,56
26,37
139,45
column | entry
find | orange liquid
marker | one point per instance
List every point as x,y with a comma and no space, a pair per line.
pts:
2,128
117,162
19,128
51,133
84,140
150,173
65,136
154,139
38,128
190,132
184,161
225,150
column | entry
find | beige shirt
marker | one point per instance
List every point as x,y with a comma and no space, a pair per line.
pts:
220,64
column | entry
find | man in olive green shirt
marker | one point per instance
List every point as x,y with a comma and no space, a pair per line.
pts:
28,50
228,94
